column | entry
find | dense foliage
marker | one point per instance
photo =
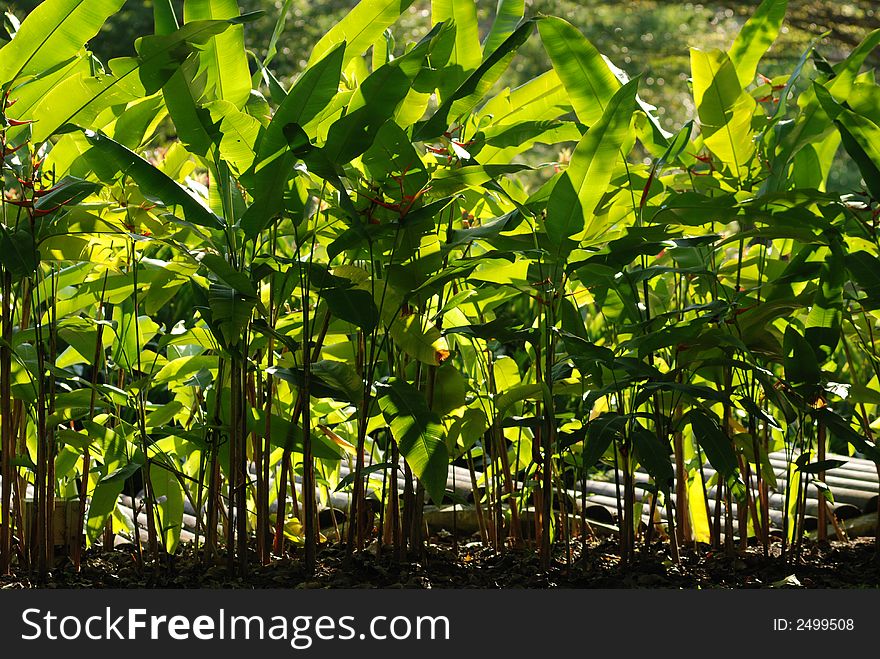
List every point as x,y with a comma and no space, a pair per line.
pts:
316,288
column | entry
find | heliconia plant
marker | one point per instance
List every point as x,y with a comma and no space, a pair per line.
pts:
339,289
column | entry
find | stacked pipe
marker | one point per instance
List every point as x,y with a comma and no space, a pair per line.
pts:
854,486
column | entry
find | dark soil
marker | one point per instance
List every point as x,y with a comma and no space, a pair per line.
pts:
820,565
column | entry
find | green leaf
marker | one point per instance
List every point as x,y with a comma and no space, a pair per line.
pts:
227,274
841,428
79,99
716,444
450,388
178,371
572,204
801,365
164,18
230,313
352,305
154,183
466,54
372,105
183,93
859,135
725,110
654,455
467,429
588,80
756,36
123,473
369,469
160,55
393,161
821,465
823,322
236,135
169,505
340,376
310,94
133,332
475,87
53,32
360,28
18,252
418,432
274,178
284,433
508,14
101,507
865,270
223,55
420,339
601,431
67,192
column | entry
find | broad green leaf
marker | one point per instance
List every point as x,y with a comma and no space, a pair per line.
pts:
230,313
279,146
540,99
80,99
865,270
756,36
154,183
101,507
601,431
588,80
517,393
715,443
821,465
226,273
178,371
133,333
845,72
859,135
184,94
466,430
223,56
725,110
372,105
139,121
33,92
237,132
352,305
572,204
310,94
164,18
654,455
342,377
466,54
844,430
420,339
823,322
450,388
393,161
169,504
801,365
18,253
161,54
508,14
418,432
53,32
475,87
360,28
108,487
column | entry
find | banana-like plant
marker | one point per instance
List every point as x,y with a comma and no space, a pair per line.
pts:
339,292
